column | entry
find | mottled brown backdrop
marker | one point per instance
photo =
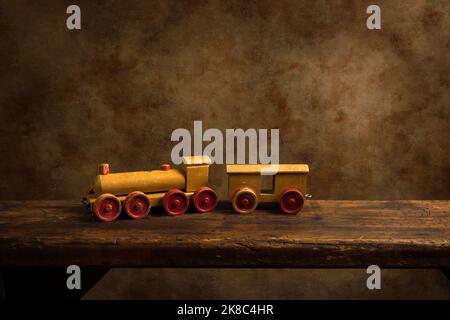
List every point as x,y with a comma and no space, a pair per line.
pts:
368,110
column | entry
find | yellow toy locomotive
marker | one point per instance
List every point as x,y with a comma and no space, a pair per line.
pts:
174,189
138,191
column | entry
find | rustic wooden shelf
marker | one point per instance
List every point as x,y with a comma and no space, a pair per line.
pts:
326,234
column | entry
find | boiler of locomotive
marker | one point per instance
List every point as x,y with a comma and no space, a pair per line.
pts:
145,181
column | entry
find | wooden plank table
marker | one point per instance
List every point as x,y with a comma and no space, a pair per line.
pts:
334,234
324,234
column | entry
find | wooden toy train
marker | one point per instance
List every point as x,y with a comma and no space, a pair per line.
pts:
174,189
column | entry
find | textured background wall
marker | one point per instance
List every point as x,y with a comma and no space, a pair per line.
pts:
368,110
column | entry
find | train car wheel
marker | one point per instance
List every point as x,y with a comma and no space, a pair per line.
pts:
244,200
137,205
204,199
107,207
291,201
175,202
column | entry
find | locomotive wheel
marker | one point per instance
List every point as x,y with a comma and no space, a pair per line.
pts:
137,205
175,202
204,199
291,201
107,207
244,200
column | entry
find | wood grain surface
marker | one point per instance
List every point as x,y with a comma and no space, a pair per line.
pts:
324,234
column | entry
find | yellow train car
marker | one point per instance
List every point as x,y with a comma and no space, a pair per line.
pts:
287,186
137,192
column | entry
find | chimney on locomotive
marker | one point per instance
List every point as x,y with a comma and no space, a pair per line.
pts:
103,168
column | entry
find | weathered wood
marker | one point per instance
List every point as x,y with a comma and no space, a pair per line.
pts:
324,234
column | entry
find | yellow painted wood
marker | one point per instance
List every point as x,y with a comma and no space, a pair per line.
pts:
144,181
268,197
196,160
290,180
289,176
259,168
251,180
196,176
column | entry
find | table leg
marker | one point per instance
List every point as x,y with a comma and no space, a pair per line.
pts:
446,272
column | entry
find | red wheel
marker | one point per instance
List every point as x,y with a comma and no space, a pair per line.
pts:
137,205
204,199
244,200
175,202
107,207
291,201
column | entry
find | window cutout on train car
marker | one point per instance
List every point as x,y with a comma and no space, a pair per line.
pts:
267,183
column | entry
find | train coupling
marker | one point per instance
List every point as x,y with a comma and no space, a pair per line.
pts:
85,203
